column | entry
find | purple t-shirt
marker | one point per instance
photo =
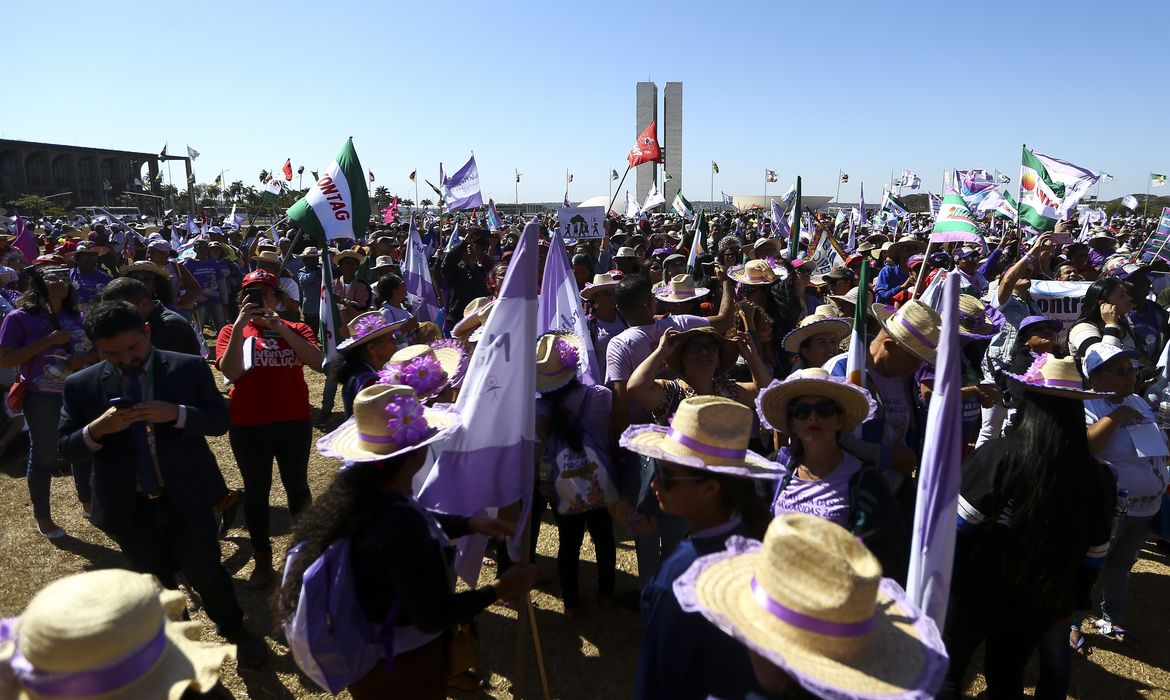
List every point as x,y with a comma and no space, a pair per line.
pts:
606,331
47,371
629,348
89,285
207,273
826,498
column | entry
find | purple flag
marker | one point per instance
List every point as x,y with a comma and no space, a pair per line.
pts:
489,463
864,220
416,275
932,551
462,188
560,304
779,221
25,242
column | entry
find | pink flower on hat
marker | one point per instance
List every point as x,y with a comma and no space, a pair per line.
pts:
405,420
423,374
570,357
368,325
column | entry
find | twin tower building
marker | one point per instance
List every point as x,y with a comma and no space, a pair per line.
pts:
670,133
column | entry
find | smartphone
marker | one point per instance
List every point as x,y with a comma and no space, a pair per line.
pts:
120,402
1060,238
254,296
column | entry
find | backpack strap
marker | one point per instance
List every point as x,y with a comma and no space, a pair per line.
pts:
862,499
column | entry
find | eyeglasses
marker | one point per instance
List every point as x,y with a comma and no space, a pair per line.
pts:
823,409
666,480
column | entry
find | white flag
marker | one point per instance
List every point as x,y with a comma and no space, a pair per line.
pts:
1130,202
631,205
192,153
653,199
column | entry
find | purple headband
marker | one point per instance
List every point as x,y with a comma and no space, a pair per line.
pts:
96,681
710,450
806,622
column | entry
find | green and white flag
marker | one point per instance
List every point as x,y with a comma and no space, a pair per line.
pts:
682,207
338,203
272,190
954,222
1039,195
329,314
892,203
1157,180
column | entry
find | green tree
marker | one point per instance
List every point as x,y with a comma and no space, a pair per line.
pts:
35,206
426,203
406,202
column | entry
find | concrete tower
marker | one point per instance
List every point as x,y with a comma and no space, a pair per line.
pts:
647,110
672,140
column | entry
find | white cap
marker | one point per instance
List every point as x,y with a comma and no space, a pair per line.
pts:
1100,353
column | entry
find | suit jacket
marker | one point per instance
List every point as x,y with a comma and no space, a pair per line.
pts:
189,470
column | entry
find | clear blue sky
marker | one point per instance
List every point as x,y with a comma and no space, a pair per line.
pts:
801,87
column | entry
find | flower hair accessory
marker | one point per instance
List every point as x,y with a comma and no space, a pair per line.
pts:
570,356
417,367
405,420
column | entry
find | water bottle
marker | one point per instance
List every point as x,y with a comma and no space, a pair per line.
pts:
1120,510
1164,409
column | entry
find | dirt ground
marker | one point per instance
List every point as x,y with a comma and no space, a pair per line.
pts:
594,656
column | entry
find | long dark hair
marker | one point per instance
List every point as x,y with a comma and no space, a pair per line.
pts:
1098,293
559,422
745,497
1050,469
36,297
328,518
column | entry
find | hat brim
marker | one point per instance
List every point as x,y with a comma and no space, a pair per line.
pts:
838,326
127,269
905,658
772,402
591,289
883,313
667,294
1019,384
737,275
453,358
653,441
728,352
351,342
344,444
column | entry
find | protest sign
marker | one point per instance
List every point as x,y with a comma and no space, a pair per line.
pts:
581,222
1060,301
1156,244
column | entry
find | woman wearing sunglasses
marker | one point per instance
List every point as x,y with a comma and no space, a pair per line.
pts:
1123,434
814,408
705,474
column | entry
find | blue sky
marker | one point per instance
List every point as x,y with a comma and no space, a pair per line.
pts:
805,88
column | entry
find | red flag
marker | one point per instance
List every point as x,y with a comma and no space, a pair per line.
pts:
646,148
287,170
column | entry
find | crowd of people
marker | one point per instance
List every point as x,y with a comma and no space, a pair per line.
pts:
769,498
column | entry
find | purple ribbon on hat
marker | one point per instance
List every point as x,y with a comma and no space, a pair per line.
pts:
1062,383
807,622
710,450
378,439
915,332
96,681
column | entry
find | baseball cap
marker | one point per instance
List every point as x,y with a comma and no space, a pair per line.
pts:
260,277
1100,353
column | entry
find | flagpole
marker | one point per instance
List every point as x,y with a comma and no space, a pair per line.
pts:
765,187
1146,204
712,181
619,189
838,195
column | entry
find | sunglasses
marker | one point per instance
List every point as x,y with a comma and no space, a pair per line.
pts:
666,480
702,348
823,409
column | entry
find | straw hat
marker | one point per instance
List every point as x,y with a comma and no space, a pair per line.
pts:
976,320
600,283
707,432
1054,377
311,252
895,249
267,255
811,600
728,352
111,630
474,314
453,358
560,356
349,255
847,302
914,325
388,420
753,272
680,288
856,404
823,320
384,262
144,266
366,327
420,368
625,252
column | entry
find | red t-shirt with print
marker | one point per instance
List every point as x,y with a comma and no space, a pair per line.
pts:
274,389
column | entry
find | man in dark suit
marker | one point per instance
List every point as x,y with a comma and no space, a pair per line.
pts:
142,415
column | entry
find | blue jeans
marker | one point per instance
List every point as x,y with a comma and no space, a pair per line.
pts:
211,311
1123,552
42,411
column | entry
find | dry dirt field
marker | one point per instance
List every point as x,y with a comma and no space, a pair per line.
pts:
592,657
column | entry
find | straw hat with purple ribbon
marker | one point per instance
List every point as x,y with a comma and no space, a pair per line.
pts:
109,634
811,600
823,320
1054,376
710,433
421,368
914,325
857,406
753,272
366,327
474,315
388,420
600,283
680,288
976,320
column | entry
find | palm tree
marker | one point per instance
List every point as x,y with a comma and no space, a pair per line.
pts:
426,203
235,190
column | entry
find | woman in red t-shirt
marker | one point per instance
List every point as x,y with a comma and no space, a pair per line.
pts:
263,356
